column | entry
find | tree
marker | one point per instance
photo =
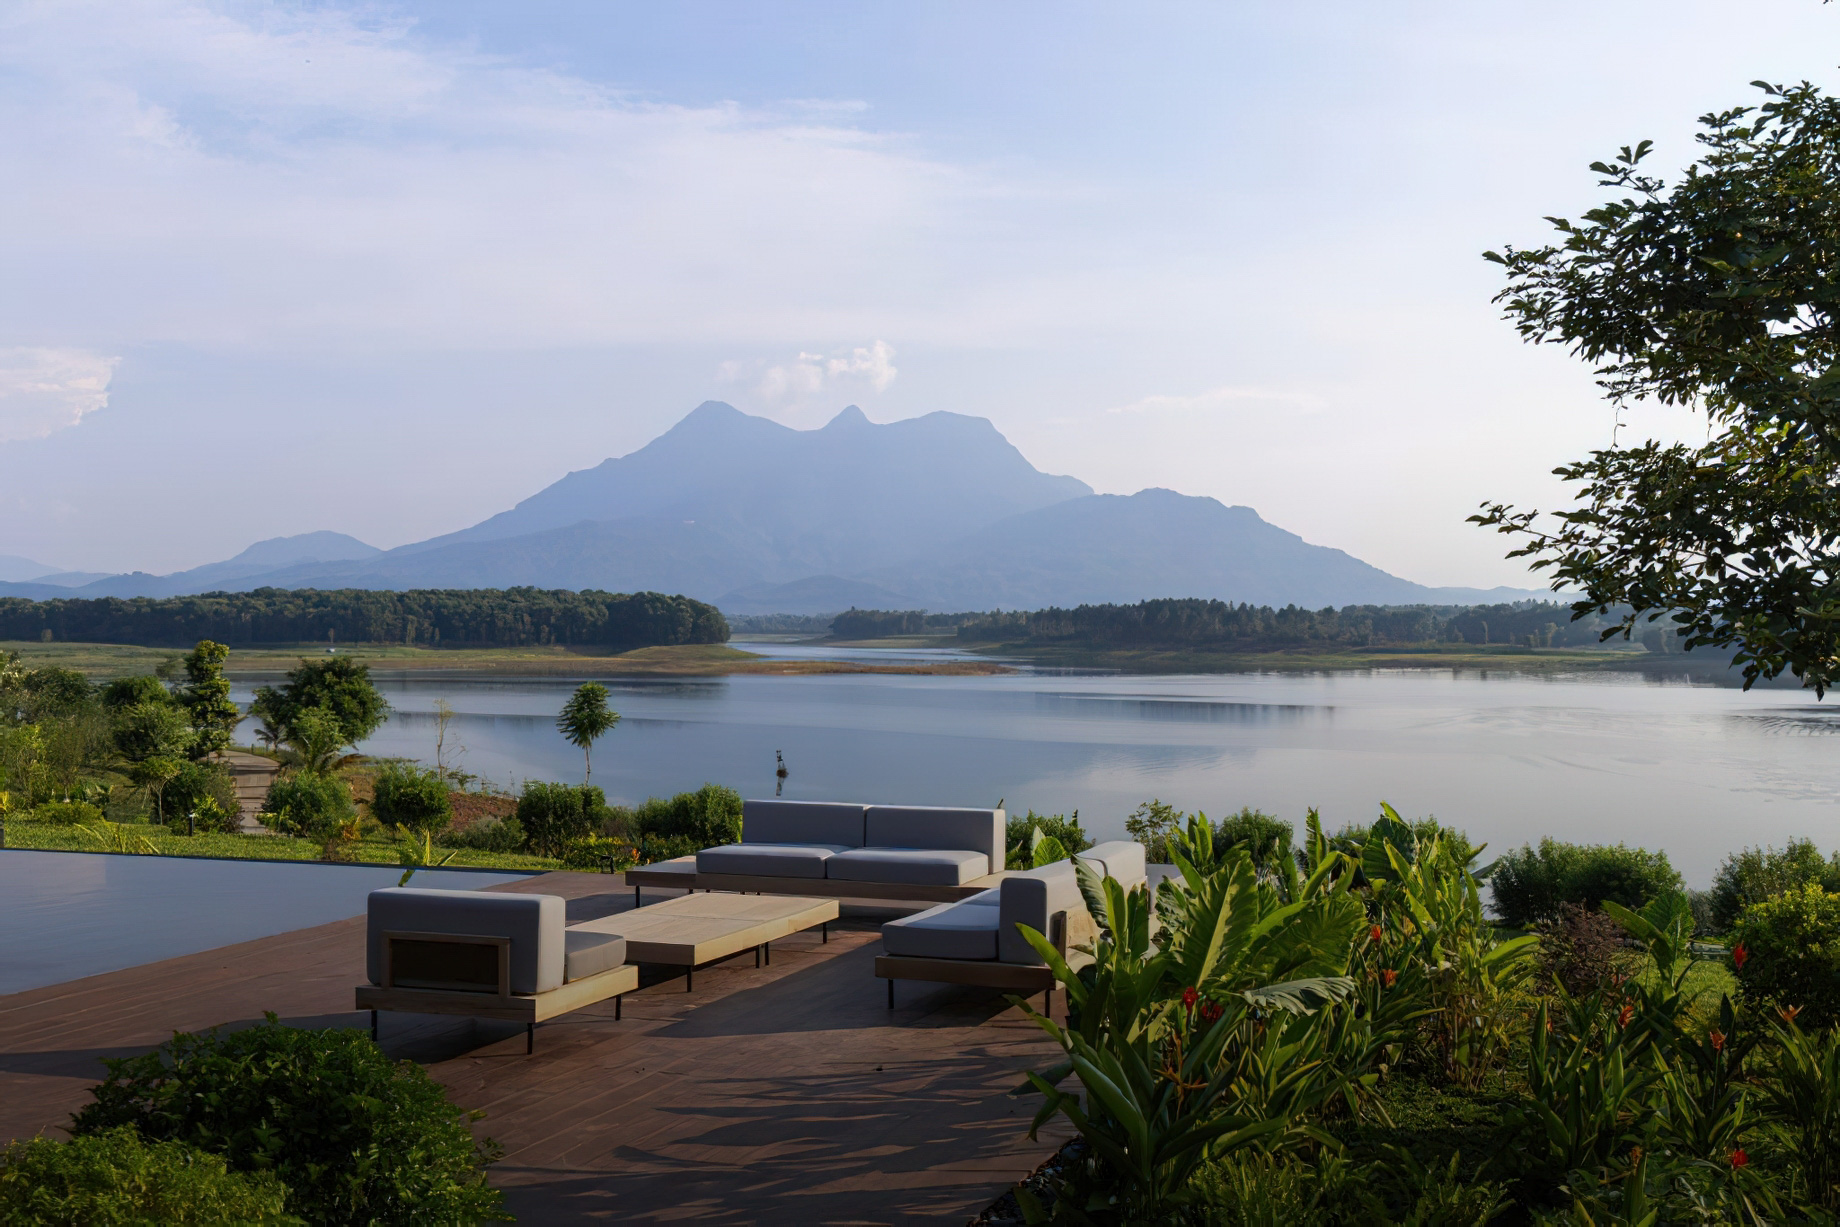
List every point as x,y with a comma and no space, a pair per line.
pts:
206,698
584,719
339,685
1719,293
313,738
152,730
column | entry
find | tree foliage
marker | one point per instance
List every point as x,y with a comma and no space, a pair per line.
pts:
584,719
338,686
206,698
462,617
1716,292
412,798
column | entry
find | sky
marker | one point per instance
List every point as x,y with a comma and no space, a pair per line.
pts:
386,269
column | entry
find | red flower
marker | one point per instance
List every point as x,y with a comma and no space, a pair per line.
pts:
1390,976
1718,1041
1739,1158
1624,1015
1738,955
1189,997
1210,1012
1375,933
1789,1012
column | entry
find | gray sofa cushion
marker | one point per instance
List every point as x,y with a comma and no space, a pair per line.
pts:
937,826
802,822
1031,898
589,954
534,923
768,860
907,866
1122,859
962,930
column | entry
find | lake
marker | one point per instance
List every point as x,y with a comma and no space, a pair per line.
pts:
1696,769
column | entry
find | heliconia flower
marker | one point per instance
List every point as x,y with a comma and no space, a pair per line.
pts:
1375,933
1789,1013
1189,997
1718,1041
1739,1158
1738,955
1390,976
1624,1015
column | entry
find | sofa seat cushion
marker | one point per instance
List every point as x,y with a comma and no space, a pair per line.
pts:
589,954
768,860
962,930
908,866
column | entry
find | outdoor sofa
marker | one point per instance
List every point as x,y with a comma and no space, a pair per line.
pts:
978,941
486,954
925,853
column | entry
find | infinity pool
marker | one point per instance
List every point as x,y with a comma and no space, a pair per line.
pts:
65,915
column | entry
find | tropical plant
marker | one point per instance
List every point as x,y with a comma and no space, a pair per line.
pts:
1802,1093
116,837
191,784
1020,841
314,739
115,1179
355,1136
585,719
152,776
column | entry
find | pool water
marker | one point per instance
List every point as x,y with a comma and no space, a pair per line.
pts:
65,915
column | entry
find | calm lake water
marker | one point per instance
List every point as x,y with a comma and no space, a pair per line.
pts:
1693,768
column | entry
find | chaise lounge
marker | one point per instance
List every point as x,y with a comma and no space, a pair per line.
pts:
909,852
977,941
486,955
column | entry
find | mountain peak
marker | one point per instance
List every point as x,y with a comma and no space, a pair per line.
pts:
848,419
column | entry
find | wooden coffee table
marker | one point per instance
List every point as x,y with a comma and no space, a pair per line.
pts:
693,931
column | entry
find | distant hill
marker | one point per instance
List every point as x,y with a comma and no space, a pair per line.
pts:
14,569
938,512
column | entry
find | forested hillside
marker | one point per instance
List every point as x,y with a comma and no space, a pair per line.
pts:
463,617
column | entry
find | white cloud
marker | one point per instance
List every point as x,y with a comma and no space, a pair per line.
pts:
811,374
47,390
1221,398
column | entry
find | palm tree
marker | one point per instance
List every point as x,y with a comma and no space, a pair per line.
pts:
584,718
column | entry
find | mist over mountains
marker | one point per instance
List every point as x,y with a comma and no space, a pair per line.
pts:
938,512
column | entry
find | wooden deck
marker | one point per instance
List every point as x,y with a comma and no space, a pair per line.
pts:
781,1094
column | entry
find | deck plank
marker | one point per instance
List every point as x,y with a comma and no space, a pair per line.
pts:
786,1093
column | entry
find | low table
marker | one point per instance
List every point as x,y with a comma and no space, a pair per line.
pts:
693,931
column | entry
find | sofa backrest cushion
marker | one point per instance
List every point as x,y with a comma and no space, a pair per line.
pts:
937,826
534,923
1031,898
801,822
1122,859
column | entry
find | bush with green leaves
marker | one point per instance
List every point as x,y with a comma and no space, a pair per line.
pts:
1530,883
115,1179
64,813
126,692
191,786
554,815
707,817
1756,874
412,798
1263,837
355,1136
1791,946
310,805
489,835
151,730
1023,834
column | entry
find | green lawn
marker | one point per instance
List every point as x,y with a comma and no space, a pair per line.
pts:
378,850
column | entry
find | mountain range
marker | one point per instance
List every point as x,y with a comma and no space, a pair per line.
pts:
938,512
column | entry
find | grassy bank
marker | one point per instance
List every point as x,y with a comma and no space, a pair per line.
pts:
102,660
373,850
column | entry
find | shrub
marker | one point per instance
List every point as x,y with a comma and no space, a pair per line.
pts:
709,816
1756,874
597,854
488,835
114,1177
64,813
1578,948
552,815
1528,885
411,798
1267,839
310,805
1792,953
356,1137
187,791
1065,831
1152,824
655,848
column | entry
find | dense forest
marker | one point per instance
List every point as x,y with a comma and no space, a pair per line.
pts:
448,617
883,623
1221,624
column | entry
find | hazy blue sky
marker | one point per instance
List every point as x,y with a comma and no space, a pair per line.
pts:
387,269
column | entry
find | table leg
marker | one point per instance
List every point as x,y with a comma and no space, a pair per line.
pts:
768,947
617,1003
891,994
373,1026
825,929
689,972
636,902
530,1038
757,956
